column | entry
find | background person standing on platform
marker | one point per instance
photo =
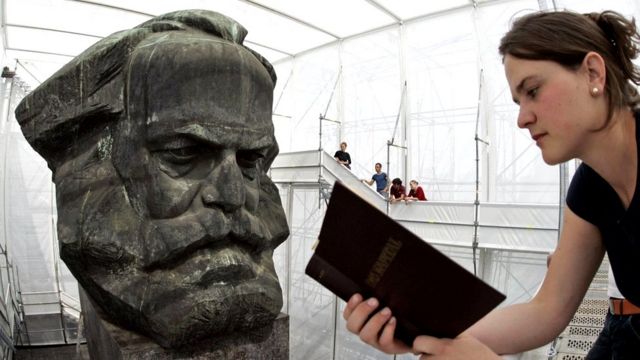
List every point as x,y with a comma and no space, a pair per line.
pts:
381,180
416,192
342,156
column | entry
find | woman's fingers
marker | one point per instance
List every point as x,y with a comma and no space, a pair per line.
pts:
351,305
376,329
359,315
388,342
372,328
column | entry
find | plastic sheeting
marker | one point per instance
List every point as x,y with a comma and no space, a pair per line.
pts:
529,227
28,229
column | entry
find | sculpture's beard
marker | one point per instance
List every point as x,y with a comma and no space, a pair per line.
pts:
202,274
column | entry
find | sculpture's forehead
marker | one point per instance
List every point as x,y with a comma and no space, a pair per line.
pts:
197,48
188,80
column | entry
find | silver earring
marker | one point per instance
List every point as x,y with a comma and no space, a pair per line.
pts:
595,91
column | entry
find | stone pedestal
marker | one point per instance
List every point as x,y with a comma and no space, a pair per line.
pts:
110,342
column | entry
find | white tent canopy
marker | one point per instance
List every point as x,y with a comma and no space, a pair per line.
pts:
44,34
416,85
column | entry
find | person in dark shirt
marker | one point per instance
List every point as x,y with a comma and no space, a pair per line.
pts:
397,192
574,80
342,156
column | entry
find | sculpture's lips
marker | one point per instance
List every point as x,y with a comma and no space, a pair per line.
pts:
224,275
167,241
211,266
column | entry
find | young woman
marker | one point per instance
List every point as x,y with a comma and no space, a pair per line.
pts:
416,193
572,77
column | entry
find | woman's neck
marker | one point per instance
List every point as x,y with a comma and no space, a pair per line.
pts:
614,155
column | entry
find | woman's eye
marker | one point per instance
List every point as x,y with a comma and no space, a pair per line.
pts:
532,92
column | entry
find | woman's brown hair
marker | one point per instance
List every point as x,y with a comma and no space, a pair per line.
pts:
566,37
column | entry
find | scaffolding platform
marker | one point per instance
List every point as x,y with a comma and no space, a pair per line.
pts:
576,340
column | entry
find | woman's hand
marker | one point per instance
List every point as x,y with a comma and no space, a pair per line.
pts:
463,347
378,330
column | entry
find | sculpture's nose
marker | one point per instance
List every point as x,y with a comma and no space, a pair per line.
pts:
224,187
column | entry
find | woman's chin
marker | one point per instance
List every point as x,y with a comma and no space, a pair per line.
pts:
554,159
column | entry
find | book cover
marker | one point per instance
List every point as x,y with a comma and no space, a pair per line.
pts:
362,250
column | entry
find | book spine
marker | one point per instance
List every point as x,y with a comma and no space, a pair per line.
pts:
331,278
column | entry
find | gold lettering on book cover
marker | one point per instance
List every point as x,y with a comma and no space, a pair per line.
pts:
389,251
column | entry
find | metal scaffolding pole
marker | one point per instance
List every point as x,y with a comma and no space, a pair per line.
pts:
391,143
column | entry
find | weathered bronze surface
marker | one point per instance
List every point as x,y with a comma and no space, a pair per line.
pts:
159,139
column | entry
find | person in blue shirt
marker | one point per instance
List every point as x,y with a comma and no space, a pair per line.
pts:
381,179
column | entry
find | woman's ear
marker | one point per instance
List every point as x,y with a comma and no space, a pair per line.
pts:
596,70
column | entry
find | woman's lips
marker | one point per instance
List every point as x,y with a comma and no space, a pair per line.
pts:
538,138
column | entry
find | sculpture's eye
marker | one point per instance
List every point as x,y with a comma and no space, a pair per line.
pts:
248,160
180,156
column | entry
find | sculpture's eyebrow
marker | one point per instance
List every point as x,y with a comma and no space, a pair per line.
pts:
216,136
172,142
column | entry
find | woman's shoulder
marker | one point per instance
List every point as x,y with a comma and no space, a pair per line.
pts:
590,196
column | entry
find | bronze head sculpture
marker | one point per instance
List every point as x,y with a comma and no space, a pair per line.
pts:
159,139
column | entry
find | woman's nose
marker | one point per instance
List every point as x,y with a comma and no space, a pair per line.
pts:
525,117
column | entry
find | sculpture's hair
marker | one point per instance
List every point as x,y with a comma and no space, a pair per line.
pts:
566,37
87,93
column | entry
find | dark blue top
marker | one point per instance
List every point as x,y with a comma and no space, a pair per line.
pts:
595,201
381,180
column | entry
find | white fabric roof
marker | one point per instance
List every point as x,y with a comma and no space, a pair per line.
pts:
42,35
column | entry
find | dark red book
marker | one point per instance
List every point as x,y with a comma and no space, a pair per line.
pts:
362,250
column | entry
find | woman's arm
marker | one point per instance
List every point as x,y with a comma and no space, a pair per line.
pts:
526,326
403,192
